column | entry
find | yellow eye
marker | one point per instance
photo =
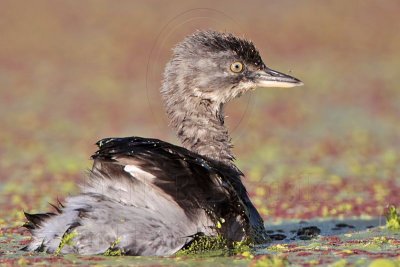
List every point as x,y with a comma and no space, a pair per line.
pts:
237,67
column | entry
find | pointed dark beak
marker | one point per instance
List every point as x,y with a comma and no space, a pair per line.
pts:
272,78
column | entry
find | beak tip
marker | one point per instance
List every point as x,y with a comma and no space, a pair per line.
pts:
297,82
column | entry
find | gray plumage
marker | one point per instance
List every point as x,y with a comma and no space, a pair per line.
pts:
149,197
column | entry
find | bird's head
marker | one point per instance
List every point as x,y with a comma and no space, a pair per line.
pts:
218,67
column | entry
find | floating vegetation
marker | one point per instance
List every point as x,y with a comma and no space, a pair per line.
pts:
113,250
392,219
66,240
214,245
270,261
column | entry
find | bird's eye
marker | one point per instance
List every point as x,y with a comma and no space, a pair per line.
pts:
237,67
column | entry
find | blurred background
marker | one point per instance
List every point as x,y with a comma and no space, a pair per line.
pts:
73,72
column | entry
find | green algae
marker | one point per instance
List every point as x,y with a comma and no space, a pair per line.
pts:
113,250
271,261
392,219
66,240
383,263
216,245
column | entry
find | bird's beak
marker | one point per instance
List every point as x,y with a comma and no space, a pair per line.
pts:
272,78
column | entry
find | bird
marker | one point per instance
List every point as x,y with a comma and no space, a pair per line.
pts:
144,196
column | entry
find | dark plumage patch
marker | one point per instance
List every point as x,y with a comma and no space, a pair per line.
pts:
36,220
225,41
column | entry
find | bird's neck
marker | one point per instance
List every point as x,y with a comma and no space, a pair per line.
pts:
200,127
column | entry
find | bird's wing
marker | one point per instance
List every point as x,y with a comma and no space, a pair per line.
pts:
183,177
189,179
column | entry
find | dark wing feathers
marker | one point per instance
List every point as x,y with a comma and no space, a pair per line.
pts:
139,147
167,161
194,182
179,172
